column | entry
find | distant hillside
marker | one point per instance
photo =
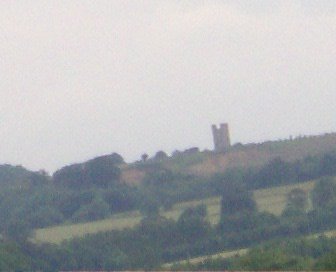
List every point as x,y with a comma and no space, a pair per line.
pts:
258,154
207,163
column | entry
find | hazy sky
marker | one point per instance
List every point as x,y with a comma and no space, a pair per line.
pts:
85,78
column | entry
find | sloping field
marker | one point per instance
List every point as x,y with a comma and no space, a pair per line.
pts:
57,234
272,200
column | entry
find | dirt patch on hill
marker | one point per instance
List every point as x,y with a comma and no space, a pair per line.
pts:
219,163
132,176
252,155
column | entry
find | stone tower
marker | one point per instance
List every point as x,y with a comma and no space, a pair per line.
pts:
221,137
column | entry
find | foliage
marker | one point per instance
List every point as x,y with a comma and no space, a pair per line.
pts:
149,206
327,262
99,171
121,198
144,157
160,156
192,223
273,259
95,210
324,193
235,199
92,190
12,258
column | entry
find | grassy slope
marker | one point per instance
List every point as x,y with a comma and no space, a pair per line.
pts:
272,200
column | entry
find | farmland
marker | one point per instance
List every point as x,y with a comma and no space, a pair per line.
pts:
272,200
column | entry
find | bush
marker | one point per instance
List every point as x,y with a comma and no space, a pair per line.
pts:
97,209
324,193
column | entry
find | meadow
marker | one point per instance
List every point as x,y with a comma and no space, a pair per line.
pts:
272,200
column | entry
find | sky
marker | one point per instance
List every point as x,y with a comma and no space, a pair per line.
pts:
79,79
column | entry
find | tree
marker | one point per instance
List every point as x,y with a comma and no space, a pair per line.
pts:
97,209
275,172
149,206
160,156
192,223
236,198
116,158
71,175
275,258
144,157
101,171
238,208
12,258
324,193
121,198
327,262
18,230
328,164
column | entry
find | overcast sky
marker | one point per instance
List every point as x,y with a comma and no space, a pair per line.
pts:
85,78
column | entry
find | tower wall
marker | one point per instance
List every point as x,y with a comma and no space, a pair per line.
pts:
221,137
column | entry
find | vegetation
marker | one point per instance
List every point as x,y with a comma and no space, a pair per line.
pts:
299,254
169,215
158,240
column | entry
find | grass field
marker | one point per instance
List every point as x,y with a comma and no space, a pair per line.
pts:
272,200
57,234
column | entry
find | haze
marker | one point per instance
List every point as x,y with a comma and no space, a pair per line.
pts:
86,78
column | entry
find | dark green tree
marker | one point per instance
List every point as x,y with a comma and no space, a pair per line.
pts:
97,209
192,223
235,199
324,193
144,157
149,206
101,171
160,156
238,208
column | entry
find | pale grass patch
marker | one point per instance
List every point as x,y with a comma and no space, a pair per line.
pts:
225,254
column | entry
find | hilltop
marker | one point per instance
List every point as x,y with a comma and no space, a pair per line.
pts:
207,163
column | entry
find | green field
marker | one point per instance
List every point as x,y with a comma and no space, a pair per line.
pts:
272,200
57,234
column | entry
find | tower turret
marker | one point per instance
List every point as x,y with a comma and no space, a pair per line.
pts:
221,137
